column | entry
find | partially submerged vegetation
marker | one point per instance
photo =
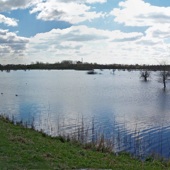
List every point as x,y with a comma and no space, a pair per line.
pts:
91,72
145,75
23,148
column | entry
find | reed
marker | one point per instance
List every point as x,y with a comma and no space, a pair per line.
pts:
90,136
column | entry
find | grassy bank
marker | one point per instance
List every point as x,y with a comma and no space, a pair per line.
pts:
22,148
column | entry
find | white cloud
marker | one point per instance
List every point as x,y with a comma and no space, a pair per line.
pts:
160,31
95,1
8,21
78,42
82,1
152,46
11,45
82,34
139,13
91,44
69,11
8,5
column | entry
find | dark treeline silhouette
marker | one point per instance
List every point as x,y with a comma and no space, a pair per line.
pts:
81,66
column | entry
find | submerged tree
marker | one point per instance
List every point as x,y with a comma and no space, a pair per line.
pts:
145,74
165,73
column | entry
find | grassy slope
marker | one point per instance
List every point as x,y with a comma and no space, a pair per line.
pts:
22,148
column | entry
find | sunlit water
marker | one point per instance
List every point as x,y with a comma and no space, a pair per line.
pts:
134,112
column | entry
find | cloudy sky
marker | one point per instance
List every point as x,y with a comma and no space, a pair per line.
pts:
101,31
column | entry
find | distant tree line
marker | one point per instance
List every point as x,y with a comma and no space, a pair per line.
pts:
67,64
78,65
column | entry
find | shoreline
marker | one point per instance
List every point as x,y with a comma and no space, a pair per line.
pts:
24,148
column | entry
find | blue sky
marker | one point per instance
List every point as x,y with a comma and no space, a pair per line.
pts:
101,31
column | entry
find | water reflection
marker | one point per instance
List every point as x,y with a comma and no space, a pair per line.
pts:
134,112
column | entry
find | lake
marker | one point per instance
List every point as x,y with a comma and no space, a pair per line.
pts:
134,113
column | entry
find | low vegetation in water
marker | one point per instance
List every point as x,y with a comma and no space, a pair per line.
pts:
91,72
23,148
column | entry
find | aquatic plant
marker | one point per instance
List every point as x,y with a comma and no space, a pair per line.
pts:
91,136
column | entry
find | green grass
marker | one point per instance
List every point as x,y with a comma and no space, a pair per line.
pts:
22,148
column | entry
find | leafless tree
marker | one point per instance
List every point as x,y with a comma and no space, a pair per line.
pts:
145,74
164,74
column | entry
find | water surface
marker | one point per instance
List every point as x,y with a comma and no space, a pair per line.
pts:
120,103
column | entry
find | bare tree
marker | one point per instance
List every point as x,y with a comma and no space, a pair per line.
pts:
145,74
165,73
